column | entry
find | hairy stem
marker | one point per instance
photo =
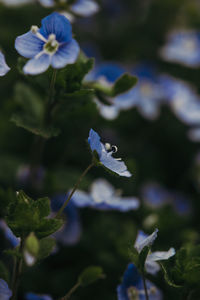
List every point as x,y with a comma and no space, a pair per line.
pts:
145,287
73,289
17,271
73,190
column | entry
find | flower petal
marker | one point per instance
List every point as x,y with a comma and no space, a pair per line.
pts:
5,292
161,255
37,65
3,66
94,142
82,199
59,25
28,45
85,8
114,165
142,240
66,54
47,3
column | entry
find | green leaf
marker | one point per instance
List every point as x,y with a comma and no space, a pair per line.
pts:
142,258
70,78
123,84
90,275
32,244
26,215
46,247
31,125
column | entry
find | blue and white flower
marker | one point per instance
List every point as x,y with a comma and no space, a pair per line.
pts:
151,264
4,68
147,95
51,45
84,8
104,153
70,232
132,286
32,296
103,196
5,292
183,46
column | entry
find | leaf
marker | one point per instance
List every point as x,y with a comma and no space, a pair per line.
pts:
46,247
90,275
35,128
123,84
70,78
26,215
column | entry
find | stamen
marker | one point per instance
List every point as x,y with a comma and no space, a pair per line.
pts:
35,30
114,148
108,146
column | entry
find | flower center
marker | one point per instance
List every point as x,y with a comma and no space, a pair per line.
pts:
51,46
132,293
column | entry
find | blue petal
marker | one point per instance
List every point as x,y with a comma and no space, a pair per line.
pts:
94,142
3,66
28,45
70,233
59,25
5,292
66,54
85,8
82,199
144,240
31,296
110,71
114,165
37,65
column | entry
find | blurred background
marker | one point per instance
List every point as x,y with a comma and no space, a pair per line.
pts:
157,134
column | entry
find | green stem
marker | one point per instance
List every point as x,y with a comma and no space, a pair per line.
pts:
39,142
17,271
145,287
73,190
73,289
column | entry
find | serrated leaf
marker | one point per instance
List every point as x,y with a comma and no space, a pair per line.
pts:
43,205
46,247
70,78
90,275
47,227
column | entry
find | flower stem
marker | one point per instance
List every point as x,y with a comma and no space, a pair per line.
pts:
17,271
145,287
73,289
39,142
73,190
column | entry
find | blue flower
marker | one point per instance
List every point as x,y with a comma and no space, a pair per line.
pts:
183,100
5,292
14,241
151,264
183,46
132,286
147,95
156,196
3,66
103,196
70,233
104,153
83,8
31,296
51,45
